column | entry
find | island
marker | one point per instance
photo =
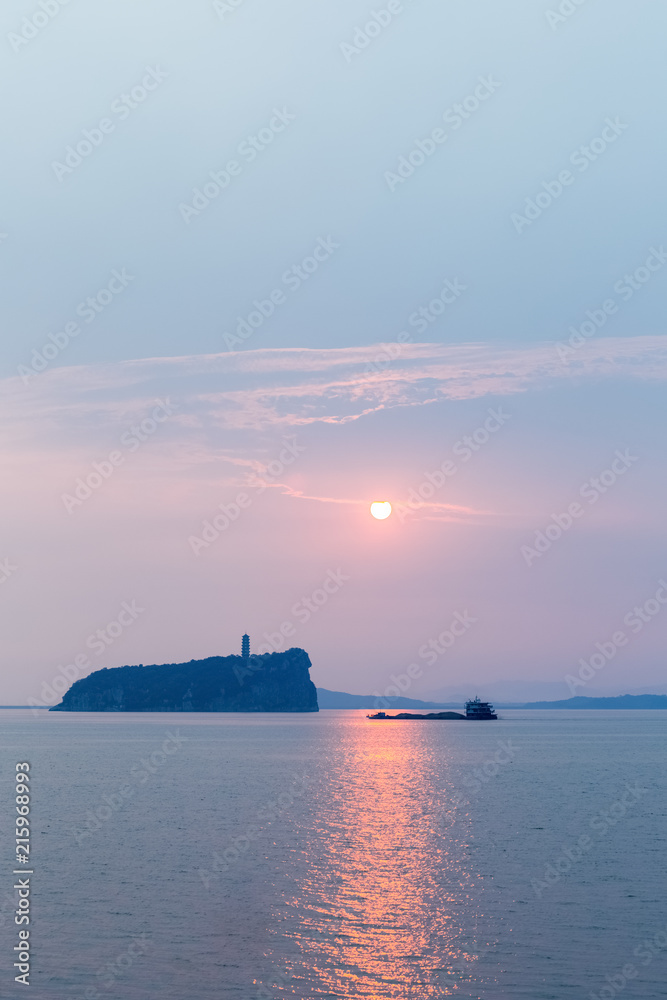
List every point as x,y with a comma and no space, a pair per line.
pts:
272,682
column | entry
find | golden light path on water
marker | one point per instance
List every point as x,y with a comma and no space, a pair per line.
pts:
390,903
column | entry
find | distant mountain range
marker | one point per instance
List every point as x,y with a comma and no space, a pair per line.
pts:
621,701
521,692
340,699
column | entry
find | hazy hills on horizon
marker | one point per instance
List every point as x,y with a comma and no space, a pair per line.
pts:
342,700
641,701
521,692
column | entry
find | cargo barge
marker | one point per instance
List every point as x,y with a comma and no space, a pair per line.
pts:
476,710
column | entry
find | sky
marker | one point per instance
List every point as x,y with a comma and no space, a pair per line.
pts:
263,264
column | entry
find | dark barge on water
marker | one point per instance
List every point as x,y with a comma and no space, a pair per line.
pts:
476,710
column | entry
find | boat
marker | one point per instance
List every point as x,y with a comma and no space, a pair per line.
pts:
476,710
479,710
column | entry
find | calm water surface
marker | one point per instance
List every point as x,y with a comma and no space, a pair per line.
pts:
324,856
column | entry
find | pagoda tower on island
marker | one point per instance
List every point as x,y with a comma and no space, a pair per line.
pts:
245,646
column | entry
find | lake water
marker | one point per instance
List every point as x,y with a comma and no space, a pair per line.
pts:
322,856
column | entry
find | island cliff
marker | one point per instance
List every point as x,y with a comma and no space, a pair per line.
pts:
274,682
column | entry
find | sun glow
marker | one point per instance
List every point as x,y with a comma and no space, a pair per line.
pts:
381,509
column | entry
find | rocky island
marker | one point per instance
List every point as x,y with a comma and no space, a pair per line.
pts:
273,682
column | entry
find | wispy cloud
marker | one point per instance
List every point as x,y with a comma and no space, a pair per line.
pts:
429,511
284,389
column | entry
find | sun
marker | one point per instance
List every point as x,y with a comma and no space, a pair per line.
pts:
381,509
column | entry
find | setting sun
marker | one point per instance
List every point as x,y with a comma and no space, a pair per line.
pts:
381,509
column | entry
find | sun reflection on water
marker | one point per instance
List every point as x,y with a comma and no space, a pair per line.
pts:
390,903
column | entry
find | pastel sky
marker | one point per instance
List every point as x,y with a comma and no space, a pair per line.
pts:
431,270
